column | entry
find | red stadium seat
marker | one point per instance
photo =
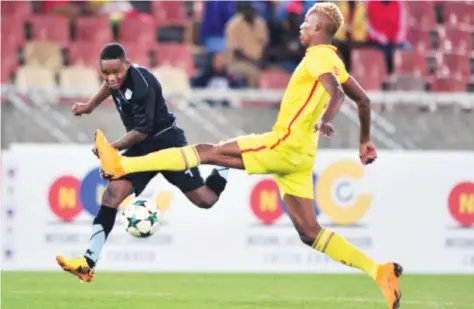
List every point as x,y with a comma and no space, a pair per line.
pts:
85,52
411,62
140,29
460,39
21,10
273,79
176,55
421,13
458,63
137,53
51,28
9,66
94,29
370,70
169,13
448,83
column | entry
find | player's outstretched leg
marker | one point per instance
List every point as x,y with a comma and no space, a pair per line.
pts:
335,246
171,159
83,266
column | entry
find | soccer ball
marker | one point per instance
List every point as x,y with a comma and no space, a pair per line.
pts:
142,218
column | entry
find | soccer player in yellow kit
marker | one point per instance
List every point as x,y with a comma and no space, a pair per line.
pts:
315,92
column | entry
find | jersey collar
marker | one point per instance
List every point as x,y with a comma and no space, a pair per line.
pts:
321,46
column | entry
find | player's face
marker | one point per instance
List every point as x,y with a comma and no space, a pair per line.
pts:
114,72
308,28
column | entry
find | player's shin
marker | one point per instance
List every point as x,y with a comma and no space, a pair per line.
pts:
102,225
171,159
339,249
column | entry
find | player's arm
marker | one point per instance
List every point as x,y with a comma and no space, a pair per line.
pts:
335,91
357,94
143,117
353,90
87,108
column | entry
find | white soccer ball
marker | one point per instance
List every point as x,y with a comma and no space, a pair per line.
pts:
142,218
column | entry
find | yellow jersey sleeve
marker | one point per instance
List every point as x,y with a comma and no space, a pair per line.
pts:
324,61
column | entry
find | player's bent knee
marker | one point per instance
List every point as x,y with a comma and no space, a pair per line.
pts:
204,202
115,194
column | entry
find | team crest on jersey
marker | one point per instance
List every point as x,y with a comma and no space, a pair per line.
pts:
336,71
128,94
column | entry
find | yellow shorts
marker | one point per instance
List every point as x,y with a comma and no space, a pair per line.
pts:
291,165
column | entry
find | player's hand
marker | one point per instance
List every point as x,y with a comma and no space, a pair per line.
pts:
325,128
79,109
367,153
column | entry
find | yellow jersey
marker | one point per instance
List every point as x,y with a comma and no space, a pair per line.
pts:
305,99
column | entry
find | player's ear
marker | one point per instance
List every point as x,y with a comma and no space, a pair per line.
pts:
318,27
127,63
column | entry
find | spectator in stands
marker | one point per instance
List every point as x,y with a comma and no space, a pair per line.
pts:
287,50
354,30
217,76
387,27
66,8
215,17
246,39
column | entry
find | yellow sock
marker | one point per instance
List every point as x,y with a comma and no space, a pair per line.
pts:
338,248
171,159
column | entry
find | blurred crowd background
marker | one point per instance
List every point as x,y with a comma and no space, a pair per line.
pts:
242,43
389,46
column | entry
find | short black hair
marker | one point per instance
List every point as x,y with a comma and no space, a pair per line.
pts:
113,51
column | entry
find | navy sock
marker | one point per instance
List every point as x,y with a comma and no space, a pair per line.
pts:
102,225
217,180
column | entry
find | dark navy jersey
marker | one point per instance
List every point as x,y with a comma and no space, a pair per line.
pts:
141,104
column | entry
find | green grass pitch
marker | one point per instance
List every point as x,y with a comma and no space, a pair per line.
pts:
55,290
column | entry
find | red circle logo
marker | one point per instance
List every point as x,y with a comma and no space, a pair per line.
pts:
64,198
461,203
265,201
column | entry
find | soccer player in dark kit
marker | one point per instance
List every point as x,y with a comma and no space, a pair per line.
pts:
150,127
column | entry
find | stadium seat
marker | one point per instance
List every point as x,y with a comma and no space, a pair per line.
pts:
139,54
406,82
94,29
51,28
16,32
44,53
140,29
457,62
177,55
19,10
447,84
412,61
30,76
169,13
79,77
273,79
172,79
84,52
460,39
370,69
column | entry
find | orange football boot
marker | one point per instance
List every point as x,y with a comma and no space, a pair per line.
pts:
387,279
76,266
109,157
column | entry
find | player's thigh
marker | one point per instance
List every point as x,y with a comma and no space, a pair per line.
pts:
257,153
298,184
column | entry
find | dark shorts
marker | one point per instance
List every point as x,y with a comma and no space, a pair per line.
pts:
186,181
